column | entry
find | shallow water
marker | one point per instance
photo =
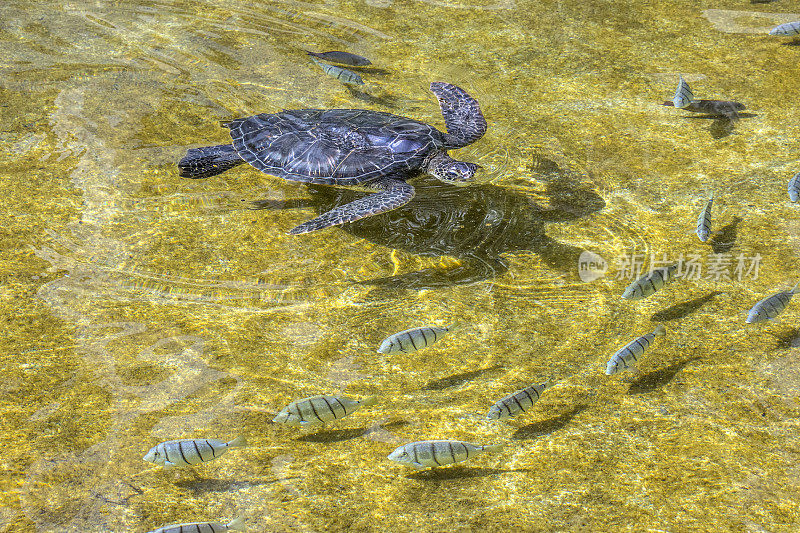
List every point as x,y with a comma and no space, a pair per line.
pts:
142,307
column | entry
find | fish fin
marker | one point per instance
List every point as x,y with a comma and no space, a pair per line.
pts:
238,441
370,400
493,447
418,466
660,330
236,524
169,464
455,325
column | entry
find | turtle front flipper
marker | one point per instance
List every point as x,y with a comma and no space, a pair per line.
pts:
394,193
462,115
208,161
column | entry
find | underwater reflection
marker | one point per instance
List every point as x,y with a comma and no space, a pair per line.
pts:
683,309
476,224
657,379
458,472
722,125
787,339
545,427
458,379
724,239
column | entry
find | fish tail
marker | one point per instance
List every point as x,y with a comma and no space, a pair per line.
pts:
369,400
794,289
455,325
493,447
660,330
237,524
238,441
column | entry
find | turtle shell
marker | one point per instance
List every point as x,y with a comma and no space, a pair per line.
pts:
334,146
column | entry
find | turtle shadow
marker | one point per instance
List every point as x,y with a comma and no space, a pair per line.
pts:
545,427
457,379
683,309
475,224
723,240
658,378
458,472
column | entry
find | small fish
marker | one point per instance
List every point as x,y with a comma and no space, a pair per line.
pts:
631,352
518,402
771,306
190,451
341,74
649,283
789,28
413,339
343,58
683,94
433,453
704,221
794,188
236,524
317,410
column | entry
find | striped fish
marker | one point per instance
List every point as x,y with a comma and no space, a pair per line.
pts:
771,306
236,524
789,28
650,283
413,339
433,453
518,402
190,451
794,188
342,74
317,410
631,352
704,221
683,94
343,58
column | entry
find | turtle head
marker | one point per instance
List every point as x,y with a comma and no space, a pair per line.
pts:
447,169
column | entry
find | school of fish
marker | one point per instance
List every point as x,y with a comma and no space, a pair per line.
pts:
316,411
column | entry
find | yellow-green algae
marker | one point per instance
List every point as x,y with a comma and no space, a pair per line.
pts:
141,307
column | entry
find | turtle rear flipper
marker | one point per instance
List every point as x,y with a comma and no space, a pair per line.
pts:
394,193
462,115
208,161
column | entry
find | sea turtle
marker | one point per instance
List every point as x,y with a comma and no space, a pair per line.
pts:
371,149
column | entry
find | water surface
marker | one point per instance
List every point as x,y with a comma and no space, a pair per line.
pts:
142,307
